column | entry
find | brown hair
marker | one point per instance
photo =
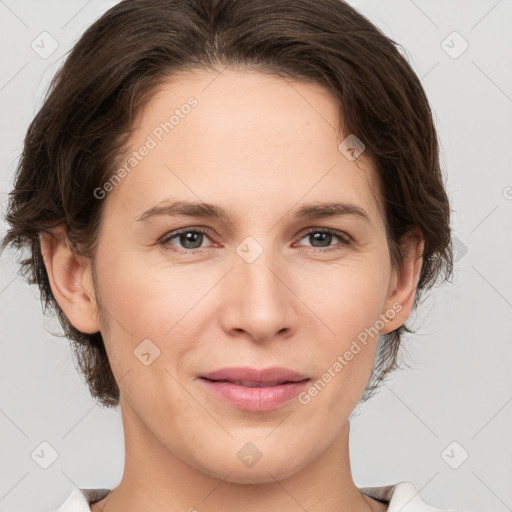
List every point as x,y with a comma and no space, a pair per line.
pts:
88,114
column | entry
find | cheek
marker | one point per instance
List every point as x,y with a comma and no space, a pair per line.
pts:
143,299
347,296
146,335
150,303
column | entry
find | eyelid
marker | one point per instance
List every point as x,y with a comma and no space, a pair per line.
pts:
341,234
173,234
345,239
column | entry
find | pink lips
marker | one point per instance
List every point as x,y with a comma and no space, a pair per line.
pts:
255,390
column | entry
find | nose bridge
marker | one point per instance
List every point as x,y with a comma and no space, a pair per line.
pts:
259,301
259,274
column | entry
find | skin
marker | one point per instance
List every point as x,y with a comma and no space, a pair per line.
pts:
259,146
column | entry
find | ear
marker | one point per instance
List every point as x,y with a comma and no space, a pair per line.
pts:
70,277
404,282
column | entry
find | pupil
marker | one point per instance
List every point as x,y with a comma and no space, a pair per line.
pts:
323,237
191,237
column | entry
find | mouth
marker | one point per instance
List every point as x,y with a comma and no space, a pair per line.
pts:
254,390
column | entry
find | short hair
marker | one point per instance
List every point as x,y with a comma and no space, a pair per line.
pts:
72,145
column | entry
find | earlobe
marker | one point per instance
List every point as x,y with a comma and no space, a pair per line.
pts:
404,283
70,277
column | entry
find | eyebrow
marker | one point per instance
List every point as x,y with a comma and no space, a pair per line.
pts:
212,211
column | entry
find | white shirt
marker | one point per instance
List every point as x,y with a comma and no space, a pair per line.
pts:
400,497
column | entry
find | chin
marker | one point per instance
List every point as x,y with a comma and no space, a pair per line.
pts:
266,470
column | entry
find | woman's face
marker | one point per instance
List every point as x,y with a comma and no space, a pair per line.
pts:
262,287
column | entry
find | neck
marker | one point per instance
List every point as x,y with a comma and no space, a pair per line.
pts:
157,479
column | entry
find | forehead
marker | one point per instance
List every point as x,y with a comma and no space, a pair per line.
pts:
240,137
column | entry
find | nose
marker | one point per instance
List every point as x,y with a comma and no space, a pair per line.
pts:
258,302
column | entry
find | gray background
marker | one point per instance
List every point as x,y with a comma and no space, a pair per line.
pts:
454,401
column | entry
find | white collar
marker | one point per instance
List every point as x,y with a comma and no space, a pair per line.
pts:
400,497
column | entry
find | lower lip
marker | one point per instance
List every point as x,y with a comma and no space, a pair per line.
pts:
255,399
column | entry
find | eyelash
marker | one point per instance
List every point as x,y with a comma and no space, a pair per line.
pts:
345,239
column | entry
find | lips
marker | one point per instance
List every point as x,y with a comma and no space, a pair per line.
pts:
254,390
252,377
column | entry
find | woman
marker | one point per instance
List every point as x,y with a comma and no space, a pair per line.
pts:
233,207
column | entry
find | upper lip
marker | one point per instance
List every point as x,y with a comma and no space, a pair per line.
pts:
246,374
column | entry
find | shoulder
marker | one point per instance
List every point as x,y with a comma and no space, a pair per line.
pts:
80,500
403,497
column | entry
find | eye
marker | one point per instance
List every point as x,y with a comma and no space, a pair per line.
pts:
190,239
324,237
